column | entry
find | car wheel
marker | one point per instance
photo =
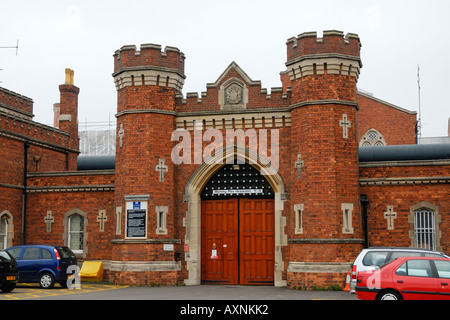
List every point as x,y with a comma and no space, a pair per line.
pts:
46,281
8,287
389,295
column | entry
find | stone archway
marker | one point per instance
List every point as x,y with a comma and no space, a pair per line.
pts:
192,222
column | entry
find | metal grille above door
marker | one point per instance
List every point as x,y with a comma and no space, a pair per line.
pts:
237,180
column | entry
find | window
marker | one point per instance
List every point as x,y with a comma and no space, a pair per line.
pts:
443,268
4,256
375,258
46,254
76,233
433,255
425,229
298,208
424,221
3,232
161,219
15,252
372,138
31,254
415,268
397,254
347,209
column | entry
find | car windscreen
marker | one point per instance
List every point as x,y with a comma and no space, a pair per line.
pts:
4,256
65,253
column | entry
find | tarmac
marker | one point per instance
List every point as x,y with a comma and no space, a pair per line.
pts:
104,291
104,300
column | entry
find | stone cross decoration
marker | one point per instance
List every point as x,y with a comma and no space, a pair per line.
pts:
161,167
390,215
102,218
121,133
49,220
299,164
345,124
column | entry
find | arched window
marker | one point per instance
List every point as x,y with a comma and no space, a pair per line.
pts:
6,229
76,233
3,232
372,138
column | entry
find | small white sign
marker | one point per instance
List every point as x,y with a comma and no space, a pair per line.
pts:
168,247
238,191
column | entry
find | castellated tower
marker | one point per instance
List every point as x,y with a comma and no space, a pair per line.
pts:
323,74
147,83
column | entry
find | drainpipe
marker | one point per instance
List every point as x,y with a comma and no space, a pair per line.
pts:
26,145
365,215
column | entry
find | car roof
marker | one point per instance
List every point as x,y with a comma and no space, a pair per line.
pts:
420,258
35,246
403,248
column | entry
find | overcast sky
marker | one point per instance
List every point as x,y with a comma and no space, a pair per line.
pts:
396,37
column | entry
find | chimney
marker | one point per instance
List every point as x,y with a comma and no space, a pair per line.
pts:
56,113
68,116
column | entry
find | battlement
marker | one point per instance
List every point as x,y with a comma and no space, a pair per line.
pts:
332,54
16,104
149,66
149,55
332,42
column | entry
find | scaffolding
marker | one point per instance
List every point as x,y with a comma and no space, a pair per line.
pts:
97,138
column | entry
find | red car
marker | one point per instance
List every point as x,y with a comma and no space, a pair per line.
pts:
408,278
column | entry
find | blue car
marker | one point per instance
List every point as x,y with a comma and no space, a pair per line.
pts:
44,264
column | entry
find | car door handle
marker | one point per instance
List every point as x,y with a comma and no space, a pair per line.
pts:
36,264
444,283
399,281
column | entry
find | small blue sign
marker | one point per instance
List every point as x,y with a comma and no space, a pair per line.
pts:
137,205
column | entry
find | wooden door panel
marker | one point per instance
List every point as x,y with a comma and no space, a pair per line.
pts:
256,234
219,228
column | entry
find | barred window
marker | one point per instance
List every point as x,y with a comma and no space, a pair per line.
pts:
76,233
425,229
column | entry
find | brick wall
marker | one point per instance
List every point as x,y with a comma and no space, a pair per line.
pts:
63,192
16,103
258,97
402,187
397,125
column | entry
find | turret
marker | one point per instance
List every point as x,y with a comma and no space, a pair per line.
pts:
323,74
147,83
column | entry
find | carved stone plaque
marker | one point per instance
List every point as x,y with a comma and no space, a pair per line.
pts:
233,94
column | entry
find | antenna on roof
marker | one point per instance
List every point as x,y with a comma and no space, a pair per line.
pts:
419,122
17,50
15,47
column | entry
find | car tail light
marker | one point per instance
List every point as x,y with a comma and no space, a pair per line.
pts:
354,273
58,257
